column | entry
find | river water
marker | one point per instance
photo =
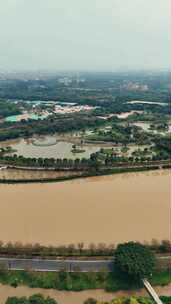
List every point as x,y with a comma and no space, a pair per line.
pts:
60,296
65,297
111,209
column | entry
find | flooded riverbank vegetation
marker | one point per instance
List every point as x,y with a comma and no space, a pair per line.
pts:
114,149
77,282
117,116
79,250
39,299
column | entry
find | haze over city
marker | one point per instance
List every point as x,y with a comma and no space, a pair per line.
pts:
85,35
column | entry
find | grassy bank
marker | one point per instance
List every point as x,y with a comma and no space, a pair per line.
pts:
77,281
66,281
161,278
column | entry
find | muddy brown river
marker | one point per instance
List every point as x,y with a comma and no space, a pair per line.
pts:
63,297
111,209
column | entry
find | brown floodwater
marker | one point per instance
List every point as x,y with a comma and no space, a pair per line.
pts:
111,209
60,296
62,149
65,297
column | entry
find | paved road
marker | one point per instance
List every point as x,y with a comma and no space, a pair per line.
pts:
57,265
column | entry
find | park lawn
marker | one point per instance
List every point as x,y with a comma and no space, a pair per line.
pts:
161,278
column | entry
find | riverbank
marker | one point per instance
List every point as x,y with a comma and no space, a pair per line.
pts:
15,174
68,175
63,297
78,281
77,297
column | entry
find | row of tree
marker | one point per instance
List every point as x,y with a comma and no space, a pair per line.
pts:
74,164
35,299
38,299
80,249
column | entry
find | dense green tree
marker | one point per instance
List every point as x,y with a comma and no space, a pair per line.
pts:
134,260
90,301
15,300
35,299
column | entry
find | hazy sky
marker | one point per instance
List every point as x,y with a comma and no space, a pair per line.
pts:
85,34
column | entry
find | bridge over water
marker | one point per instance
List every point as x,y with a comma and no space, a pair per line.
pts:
151,292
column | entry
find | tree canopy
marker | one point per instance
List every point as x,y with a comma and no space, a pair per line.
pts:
35,299
134,260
